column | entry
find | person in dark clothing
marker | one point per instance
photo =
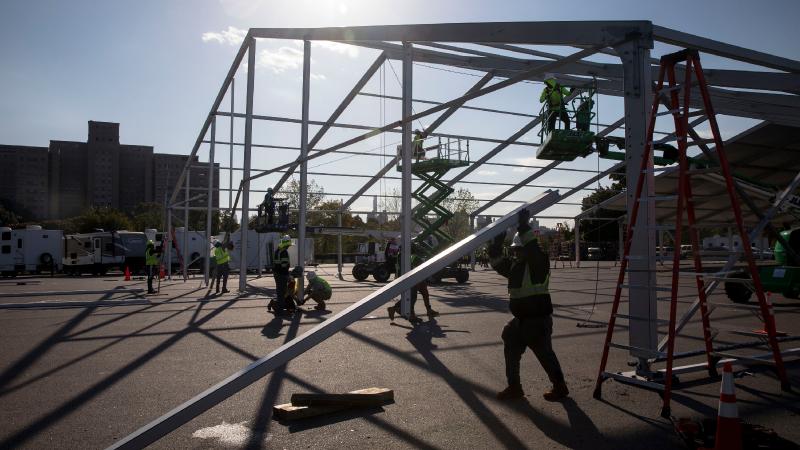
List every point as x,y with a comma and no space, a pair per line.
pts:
422,288
390,255
528,273
280,272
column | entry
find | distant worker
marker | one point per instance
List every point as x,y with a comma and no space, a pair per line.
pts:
280,272
222,257
418,145
151,260
553,95
528,273
318,290
390,254
268,207
583,114
422,288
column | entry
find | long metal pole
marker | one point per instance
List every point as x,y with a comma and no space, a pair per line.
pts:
248,142
169,243
230,159
301,225
405,255
210,203
185,245
339,244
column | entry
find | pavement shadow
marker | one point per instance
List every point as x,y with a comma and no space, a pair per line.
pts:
272,330
581,431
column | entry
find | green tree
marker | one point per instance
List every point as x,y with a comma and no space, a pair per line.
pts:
106,218
461,203
148,215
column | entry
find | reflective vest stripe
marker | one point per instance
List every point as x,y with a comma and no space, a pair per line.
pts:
221,255
529,288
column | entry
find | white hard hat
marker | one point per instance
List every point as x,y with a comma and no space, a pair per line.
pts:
516,241
311,274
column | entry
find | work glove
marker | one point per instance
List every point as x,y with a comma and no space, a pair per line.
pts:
496,247
523,217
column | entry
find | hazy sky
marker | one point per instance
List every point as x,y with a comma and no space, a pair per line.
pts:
156,66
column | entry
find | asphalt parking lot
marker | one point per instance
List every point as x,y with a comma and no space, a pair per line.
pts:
82,371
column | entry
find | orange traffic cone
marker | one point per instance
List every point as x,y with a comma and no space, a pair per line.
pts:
127,273
729,429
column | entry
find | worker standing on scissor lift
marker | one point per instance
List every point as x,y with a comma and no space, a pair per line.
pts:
553,95
528,273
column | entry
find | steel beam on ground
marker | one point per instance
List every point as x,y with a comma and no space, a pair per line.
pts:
405,223
72,292
306,341
304,145
214,108
433,126
643,334
336,113
244,226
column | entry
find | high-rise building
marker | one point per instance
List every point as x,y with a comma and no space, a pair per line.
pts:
23,179
69,177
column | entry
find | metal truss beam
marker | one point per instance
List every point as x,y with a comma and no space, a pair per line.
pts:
439,120
591,33
718,48
308,340
336,113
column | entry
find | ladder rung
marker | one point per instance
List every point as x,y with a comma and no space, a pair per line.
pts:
760,359
636,286
714,275
697,113
735,306
642,319
646,351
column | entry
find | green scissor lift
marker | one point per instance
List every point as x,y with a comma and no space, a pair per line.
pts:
429,214
560,143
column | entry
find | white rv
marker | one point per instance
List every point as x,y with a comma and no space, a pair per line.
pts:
198,247
94,253
31,249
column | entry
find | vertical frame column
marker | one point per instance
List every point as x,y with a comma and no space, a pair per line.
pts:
230,146
405,226
635,56
210,202
185,243
301,216
248,142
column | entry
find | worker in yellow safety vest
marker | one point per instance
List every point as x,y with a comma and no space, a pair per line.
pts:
417,145
222,257
280,272
553,95
151,260
528,273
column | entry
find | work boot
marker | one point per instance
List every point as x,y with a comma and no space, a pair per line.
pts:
216,291
558,392
225,290
511,393
392,311
320,306
432,313
414,319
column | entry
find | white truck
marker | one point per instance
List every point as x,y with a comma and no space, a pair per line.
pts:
30,249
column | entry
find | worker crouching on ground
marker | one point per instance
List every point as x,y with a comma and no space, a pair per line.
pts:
318,290
528,273
222,257
151,260
422,288
280,272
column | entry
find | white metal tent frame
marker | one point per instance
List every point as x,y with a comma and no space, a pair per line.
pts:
760,94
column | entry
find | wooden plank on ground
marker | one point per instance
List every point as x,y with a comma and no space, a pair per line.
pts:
287,411
363,397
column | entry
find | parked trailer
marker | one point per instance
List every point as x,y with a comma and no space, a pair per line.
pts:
197,250
31,250
94,253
